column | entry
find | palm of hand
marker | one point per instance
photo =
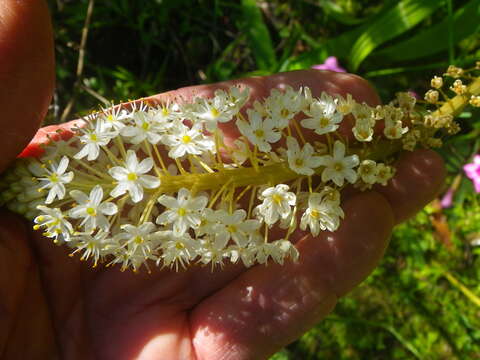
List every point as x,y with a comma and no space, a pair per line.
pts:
58,305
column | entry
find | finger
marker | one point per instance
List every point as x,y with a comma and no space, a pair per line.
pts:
267,307
27,72
25,328
419,178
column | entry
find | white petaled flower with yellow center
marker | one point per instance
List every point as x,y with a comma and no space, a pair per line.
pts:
167,113
217,109
212,250
302,161
345,105
147,127
114,118
384,173
183,212
177,249
323,116
259,132
91,209
393,123
234,226
339,167
283,106
94,138
322,213
92,246
277,203
237,97
56,179
277,250
139,243
132,177
55,224
364,122
185,140
368,171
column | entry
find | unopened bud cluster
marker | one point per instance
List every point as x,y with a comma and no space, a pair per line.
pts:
146,183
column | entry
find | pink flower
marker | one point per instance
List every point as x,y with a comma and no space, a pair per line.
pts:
472,171
447,199
331,63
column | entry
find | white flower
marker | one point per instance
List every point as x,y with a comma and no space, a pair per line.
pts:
322,213
367,171
177,249
301,161
339,167
246,254
183,212
237,97
364,122
93,139
234,226
55,180
258,132
93,246
283,106
186,140
345,105
147,127
384,173
214,110
137,243
212,250
277,202
323,116
131,178
363,132
57,226
393,122
277,250
91,209
395,132
167,113
114,118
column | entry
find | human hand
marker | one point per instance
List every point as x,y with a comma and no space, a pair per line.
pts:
52,305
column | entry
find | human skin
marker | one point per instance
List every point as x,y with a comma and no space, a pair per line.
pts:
52,305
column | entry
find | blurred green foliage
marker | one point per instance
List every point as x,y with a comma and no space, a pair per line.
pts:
422,302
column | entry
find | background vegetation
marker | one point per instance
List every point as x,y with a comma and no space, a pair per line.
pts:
423,301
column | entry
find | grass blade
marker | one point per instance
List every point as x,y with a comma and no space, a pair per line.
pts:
432,40
402,17
258,37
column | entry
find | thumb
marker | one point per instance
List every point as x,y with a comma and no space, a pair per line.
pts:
26,72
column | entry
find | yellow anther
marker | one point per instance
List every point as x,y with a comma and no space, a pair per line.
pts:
259,133
277,199
132,177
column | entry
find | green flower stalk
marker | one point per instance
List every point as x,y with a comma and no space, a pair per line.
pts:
144,183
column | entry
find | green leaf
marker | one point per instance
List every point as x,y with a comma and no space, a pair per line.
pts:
402,17
335,11
432,40
258,37
339,46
